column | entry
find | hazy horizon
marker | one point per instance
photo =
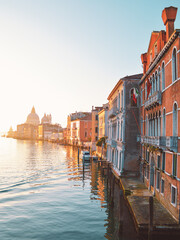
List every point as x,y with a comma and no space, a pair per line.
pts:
66,56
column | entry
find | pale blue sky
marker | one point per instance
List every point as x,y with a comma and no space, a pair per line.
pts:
66,55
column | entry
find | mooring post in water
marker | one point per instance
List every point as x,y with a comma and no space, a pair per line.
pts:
121,212
83,168
78,155
150,218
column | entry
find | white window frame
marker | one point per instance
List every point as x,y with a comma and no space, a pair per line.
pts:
174,204
162,193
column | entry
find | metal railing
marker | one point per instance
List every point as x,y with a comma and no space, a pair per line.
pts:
153,100
170,142
113,112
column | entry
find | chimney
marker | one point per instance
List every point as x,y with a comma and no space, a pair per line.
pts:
144,62
168,17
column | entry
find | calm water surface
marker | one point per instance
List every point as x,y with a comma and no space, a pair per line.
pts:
45,194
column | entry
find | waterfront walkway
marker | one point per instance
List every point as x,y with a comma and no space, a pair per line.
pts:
137,196
138,201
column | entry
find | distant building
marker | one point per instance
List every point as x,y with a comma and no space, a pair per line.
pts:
72,117
95,130
103,121
160,114
45,131
33,118
65,135
46,119
81,130
11,133
122,146
29,129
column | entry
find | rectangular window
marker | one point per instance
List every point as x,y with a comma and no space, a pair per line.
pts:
173,195
158,180
96,117
163,161
96,129
147,156
147,171
174,167
158,162
162,186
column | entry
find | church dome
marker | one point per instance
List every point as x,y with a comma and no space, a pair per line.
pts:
33,118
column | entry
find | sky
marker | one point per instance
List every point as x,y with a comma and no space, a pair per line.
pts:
62,56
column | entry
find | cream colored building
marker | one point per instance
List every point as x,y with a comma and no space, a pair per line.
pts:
103,121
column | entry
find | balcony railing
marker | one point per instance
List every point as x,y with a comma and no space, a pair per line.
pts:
113,112
170,143
113,143
153,100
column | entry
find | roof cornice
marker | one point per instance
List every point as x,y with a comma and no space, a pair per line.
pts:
161,54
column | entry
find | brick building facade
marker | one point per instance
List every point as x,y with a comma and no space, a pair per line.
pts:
160,114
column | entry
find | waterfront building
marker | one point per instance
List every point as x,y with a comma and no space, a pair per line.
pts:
46,119
102,131
71,117
160,114
47,131
33,118
11,133
65,135
103,121
95,130
81,131
29,129
123,127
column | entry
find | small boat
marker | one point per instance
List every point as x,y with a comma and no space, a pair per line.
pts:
85,155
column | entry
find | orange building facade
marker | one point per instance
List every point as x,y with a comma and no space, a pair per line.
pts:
81,131
160,114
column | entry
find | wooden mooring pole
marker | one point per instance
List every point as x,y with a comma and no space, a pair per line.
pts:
150,232
120,212
78,155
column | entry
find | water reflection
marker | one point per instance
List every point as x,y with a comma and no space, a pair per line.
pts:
58,196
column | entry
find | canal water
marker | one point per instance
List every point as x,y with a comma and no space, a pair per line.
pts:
46,193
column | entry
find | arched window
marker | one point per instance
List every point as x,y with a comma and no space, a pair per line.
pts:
163,76
175,120
119,100
164,122
174,65
122,103
159,79
156,83
151,86
146,125
142,126
159,124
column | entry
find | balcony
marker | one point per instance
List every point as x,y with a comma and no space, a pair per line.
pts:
153,100
163,142
156,141
172,143
113,143
113,112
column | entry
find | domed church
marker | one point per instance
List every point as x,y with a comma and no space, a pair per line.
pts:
33,118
